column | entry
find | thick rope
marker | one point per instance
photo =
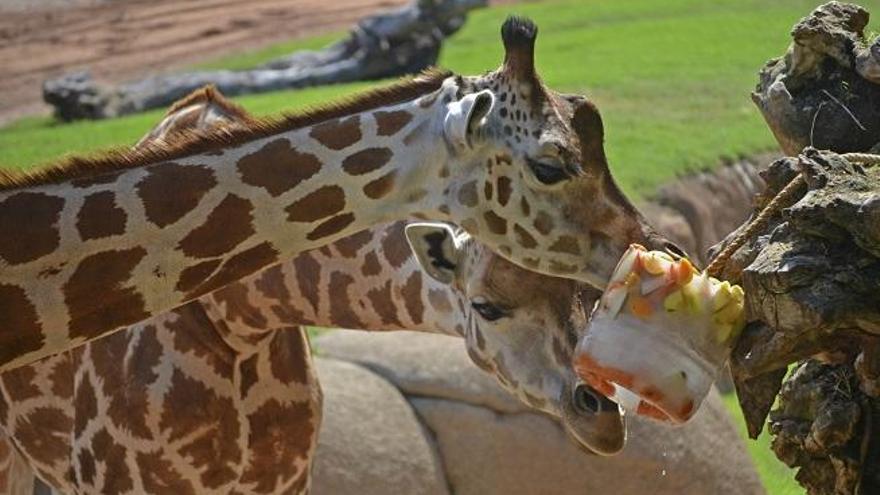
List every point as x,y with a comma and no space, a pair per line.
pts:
781,200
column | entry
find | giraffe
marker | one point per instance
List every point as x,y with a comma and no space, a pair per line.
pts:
77,412
94,244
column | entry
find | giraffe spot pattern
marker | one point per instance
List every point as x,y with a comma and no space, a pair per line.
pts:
117,477
390,123
371,265
412,297
237,306
383,304
341,313
273,286
29,223
278,167
318,204
197,336
227,226
525,206
285,356
170,191
85,403
18,313
39,430
504,190
566,244
467,194
349,246
332,226
280,435
394,245
308,276
100,217
104,273
160,476
524,238
86,469
338,134
366,160
215,419
543,223
496,224
379,188
238,266
125,369
192,276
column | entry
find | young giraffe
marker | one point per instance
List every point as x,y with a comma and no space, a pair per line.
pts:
524,335
93,245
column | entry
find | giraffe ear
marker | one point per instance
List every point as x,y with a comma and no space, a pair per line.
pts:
465,117
436,249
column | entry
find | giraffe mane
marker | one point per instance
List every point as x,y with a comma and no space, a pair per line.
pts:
188,143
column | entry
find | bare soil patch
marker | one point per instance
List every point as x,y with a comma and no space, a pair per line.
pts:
124,39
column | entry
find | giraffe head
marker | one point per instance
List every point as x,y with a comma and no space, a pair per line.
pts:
536,186
522,327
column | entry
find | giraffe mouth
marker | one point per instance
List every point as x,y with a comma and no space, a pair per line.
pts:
596,423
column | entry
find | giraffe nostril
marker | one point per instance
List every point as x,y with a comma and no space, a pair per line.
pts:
586,401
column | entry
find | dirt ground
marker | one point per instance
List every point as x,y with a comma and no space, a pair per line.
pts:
125,39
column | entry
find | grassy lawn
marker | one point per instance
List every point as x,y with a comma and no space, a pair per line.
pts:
672,79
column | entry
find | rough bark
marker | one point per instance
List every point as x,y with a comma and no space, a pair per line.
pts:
812,277
823,91
812,283
397,42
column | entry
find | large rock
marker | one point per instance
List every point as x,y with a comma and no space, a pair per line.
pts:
371,442
490,443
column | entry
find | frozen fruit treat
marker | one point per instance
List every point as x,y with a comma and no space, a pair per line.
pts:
659,335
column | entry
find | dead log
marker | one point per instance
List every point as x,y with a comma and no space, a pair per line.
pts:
397,42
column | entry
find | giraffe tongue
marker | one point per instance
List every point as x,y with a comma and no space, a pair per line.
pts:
659,335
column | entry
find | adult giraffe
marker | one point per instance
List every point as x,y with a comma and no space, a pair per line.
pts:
93,245
107,416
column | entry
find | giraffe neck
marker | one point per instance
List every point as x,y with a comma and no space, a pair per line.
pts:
88,256
368,281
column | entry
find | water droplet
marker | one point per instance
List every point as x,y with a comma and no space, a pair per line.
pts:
663,473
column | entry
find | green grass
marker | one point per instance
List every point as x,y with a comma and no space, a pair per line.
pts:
672,79
777,477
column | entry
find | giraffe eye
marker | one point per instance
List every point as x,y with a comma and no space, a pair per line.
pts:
489,311
547,174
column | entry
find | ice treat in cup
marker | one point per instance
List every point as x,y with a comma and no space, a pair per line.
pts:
660,335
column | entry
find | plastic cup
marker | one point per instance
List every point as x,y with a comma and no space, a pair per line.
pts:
659,335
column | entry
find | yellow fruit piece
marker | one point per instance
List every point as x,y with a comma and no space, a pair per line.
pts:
737,293
674,302
684,272
723,296
632,280
653,264
723,332
730,313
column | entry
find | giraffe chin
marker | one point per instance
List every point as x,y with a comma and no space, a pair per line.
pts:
593,421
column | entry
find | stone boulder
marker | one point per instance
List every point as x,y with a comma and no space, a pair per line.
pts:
370,439
489,443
